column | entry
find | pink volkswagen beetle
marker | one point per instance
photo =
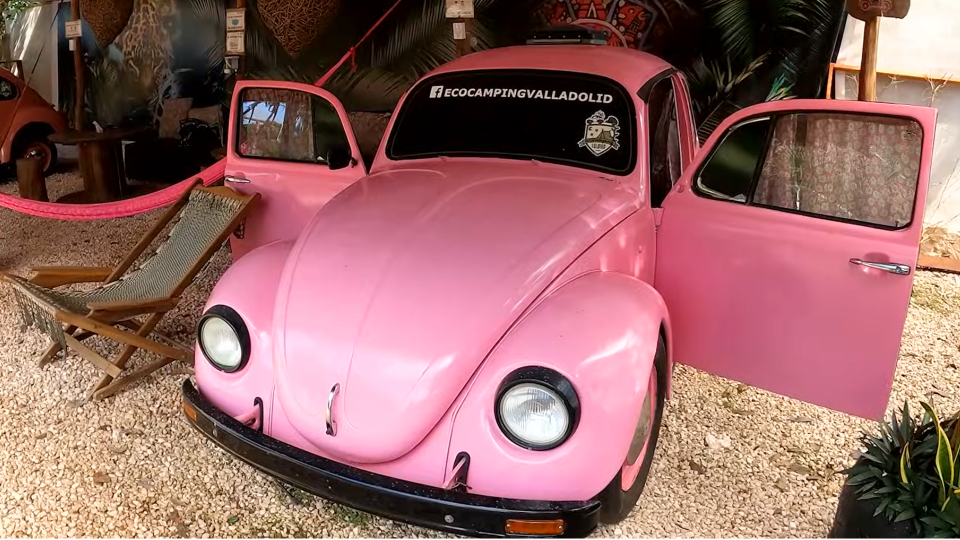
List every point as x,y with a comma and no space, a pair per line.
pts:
472,328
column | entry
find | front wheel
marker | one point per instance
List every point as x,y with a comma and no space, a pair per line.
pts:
621,494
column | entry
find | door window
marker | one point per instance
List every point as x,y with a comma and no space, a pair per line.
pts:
288,125
843,166
664,141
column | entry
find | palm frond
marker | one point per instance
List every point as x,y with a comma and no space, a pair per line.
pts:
418,27
423,40
211,11
817,22
737,23
712,86
370,89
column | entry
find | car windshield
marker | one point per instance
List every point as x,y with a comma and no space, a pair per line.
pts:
552,116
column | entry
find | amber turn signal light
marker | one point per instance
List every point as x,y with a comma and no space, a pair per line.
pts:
189,411
545,528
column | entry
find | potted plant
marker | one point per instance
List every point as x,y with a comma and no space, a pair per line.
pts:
906,483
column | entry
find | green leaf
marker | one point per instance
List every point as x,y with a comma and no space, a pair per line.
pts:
944,460
905,464
905,515
883,504
868,496
862,477
935,522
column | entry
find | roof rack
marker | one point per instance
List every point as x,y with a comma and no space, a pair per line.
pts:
567,34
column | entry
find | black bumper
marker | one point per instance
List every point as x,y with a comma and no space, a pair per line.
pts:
416,504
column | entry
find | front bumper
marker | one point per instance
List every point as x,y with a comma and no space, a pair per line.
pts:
399,500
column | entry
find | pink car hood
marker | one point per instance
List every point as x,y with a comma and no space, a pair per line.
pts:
403,283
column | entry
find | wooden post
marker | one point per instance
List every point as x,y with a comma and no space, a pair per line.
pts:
868,60
30,179
463,36
78,68
242,62
461,14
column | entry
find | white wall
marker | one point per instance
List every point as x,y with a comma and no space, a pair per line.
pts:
34,41
926,43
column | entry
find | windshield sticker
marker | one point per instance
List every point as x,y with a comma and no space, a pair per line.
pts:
601,134
519,93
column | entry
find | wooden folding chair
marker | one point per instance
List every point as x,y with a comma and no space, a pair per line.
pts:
200,222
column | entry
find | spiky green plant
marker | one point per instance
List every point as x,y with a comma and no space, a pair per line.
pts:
944,521
904,469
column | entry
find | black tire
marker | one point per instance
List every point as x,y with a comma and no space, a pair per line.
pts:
615,503
36,139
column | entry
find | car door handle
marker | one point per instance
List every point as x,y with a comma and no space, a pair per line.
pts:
235,179
893,268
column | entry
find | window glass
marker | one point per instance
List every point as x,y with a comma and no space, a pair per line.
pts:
554,116
664,141
853,167
288,125
730,171
7,90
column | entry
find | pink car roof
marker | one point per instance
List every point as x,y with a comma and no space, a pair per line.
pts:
629,67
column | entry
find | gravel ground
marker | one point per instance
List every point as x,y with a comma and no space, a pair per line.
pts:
131,467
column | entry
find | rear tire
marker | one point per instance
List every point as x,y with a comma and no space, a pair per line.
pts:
616,503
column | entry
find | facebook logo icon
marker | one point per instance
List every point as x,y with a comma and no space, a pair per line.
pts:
436,91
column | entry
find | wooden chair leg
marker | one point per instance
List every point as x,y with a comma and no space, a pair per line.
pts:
93,357
121,360
130,378
51,354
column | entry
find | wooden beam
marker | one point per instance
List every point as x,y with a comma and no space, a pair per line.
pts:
868,60
940,264
242,61
464,40
78,68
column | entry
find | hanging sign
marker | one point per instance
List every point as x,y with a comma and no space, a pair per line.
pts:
235,42
460,9
74,29
236,20
869,9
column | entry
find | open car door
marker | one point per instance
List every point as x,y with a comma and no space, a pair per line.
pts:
786,252
292,143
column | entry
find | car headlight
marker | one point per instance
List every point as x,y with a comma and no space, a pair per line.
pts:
224,339
537,408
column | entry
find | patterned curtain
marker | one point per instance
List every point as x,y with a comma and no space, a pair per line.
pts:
851,166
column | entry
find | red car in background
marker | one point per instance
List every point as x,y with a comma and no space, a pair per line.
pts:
26,120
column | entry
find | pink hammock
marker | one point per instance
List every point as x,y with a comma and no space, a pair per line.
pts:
158,199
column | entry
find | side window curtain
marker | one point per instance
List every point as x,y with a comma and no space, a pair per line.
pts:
857,168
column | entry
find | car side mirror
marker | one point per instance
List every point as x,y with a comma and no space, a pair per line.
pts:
339,157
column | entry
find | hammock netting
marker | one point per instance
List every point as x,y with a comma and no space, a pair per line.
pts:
191,234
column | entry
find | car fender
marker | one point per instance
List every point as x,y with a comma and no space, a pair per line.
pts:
600,331
30,113
249,287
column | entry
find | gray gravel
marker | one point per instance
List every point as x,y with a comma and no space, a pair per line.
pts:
131,467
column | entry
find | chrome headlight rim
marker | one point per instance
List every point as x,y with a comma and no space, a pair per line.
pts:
233,319
550,380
